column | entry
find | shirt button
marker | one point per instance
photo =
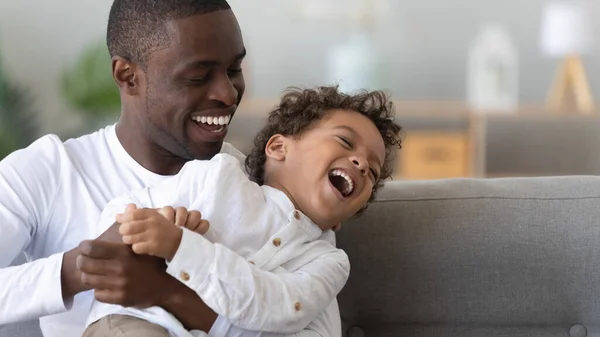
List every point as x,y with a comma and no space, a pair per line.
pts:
297,215
252,262
277,242
298,306
184,276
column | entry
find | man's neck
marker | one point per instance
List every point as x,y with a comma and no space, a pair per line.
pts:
148,155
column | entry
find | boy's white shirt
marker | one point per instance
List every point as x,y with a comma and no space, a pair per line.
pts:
262,266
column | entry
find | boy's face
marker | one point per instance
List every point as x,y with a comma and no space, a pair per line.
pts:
330,170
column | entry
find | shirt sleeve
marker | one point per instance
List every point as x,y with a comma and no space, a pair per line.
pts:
326,324
255,299
29,181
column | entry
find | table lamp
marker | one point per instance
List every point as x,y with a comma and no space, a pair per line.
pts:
566,34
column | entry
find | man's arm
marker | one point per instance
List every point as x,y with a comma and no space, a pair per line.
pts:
29,181
256,299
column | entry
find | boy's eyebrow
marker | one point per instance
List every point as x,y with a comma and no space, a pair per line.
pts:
347,128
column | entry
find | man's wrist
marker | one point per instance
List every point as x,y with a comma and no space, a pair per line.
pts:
186,306
70,276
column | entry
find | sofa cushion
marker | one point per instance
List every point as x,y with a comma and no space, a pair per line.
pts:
473,257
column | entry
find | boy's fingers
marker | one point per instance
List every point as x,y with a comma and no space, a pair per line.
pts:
135,238
181,216
142,248
193,219
168,212
203,227
134,227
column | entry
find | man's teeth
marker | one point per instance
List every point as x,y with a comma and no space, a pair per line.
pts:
222,120
350,186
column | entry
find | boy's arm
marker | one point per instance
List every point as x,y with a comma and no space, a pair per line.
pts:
255,299
326,324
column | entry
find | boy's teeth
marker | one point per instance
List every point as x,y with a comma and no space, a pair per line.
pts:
350,188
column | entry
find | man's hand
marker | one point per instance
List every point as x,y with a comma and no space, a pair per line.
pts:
118,275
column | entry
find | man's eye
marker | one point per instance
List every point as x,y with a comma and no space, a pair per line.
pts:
235,71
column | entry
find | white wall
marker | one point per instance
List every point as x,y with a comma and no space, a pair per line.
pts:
39,38
422,46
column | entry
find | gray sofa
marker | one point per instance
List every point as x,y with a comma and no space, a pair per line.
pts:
470,257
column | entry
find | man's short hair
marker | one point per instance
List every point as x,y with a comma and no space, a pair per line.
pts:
138,27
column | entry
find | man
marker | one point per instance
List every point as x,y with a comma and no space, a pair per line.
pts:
175,62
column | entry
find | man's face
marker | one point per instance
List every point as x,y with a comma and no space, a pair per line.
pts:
195,85
334,165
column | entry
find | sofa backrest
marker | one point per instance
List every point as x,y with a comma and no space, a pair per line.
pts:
475,257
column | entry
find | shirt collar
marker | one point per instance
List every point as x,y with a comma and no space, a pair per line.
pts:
284,203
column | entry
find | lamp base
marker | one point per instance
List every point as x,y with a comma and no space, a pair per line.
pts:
571,76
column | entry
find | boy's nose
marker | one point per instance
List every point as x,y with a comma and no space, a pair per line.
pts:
360,163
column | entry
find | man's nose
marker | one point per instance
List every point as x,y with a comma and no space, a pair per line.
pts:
223,91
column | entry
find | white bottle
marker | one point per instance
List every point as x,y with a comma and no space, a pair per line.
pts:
493,72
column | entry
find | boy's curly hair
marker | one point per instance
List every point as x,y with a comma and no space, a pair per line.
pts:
299,110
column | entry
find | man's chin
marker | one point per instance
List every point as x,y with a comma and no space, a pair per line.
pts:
207,150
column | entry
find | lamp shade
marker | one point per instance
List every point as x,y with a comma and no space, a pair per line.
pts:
565,29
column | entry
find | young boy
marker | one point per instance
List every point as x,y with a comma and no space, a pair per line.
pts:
268,261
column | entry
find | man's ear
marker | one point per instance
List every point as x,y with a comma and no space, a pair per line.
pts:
127,75
277,147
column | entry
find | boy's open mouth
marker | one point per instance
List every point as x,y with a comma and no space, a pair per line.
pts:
342,181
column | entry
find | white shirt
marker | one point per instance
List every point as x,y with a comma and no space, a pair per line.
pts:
262,265
52,195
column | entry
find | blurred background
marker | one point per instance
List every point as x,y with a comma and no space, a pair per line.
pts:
484,88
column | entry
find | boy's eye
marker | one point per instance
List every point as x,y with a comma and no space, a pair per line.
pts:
346,142
375,175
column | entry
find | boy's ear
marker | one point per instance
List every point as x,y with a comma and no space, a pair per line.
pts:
276,147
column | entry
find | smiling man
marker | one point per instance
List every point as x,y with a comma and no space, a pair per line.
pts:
177,64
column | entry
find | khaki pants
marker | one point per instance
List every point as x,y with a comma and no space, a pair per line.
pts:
124,326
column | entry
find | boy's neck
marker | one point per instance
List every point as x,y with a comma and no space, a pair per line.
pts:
278,186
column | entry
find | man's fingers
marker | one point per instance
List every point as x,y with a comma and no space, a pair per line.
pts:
93,266
134,227
181,216
130,208
99,249
101,281
110,297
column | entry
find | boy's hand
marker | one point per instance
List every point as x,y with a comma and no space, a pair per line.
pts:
191,220
149,232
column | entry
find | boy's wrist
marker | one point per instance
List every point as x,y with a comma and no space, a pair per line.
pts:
175,243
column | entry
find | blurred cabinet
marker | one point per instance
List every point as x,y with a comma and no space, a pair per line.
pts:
434,155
